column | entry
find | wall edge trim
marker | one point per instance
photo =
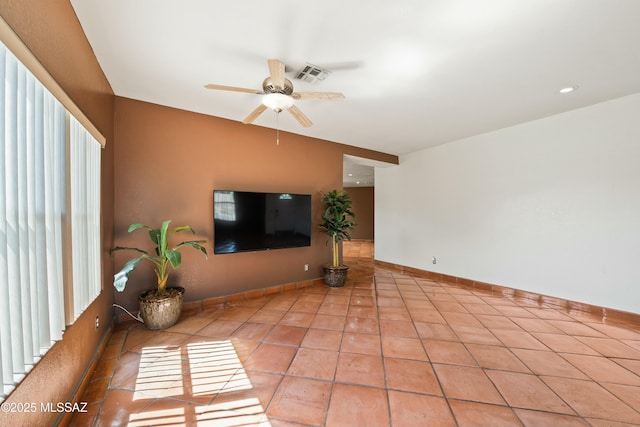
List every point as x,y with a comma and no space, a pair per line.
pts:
231,299
605,314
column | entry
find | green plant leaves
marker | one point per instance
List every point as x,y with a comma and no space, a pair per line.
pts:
162,238
133,227
120,278
336,219
163,255
196,244
124,248
175,258
184,228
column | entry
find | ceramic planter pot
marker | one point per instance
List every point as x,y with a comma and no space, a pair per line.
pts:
161,312
335,277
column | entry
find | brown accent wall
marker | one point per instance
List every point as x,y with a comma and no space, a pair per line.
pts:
162,163
362,198
52,32
169,161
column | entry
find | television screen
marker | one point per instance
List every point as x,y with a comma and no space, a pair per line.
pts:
250,221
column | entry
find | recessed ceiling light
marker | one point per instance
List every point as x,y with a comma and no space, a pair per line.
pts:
568,89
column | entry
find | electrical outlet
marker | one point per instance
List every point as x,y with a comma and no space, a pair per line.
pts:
97,322
306,267
433,260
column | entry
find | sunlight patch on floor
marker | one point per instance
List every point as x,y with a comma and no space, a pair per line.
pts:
214,365
166,417
242,412
160,369
197,370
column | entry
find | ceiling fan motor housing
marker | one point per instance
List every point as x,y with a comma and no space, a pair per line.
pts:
269,87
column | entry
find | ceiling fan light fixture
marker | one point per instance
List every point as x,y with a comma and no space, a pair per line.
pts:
277,101
278,95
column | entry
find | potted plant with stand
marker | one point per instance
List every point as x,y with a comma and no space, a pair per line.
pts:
336,222
160,308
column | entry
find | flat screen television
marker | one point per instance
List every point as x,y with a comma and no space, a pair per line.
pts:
246,221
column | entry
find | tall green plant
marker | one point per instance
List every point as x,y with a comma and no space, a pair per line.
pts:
164,256
336,220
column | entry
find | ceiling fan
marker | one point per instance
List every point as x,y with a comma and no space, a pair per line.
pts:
278,94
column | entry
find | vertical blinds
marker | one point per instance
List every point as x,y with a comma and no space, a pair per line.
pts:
85,216
50,190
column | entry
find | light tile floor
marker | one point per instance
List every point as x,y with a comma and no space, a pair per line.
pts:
387,349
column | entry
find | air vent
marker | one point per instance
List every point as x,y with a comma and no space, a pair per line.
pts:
312,74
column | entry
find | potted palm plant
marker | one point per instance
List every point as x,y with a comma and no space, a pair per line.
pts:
160,307
336,222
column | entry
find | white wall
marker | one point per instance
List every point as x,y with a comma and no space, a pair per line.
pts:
550,206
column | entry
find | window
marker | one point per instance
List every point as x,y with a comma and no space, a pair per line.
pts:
49,216
85,216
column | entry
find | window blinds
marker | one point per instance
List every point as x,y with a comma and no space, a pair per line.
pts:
31,206
85,216
49,219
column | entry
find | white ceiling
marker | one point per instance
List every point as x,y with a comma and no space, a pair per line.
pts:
415,73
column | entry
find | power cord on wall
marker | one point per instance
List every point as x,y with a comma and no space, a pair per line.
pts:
138,318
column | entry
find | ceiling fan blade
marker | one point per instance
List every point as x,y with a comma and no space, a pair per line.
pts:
326,96
300,117
233,89
254,114
276,70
